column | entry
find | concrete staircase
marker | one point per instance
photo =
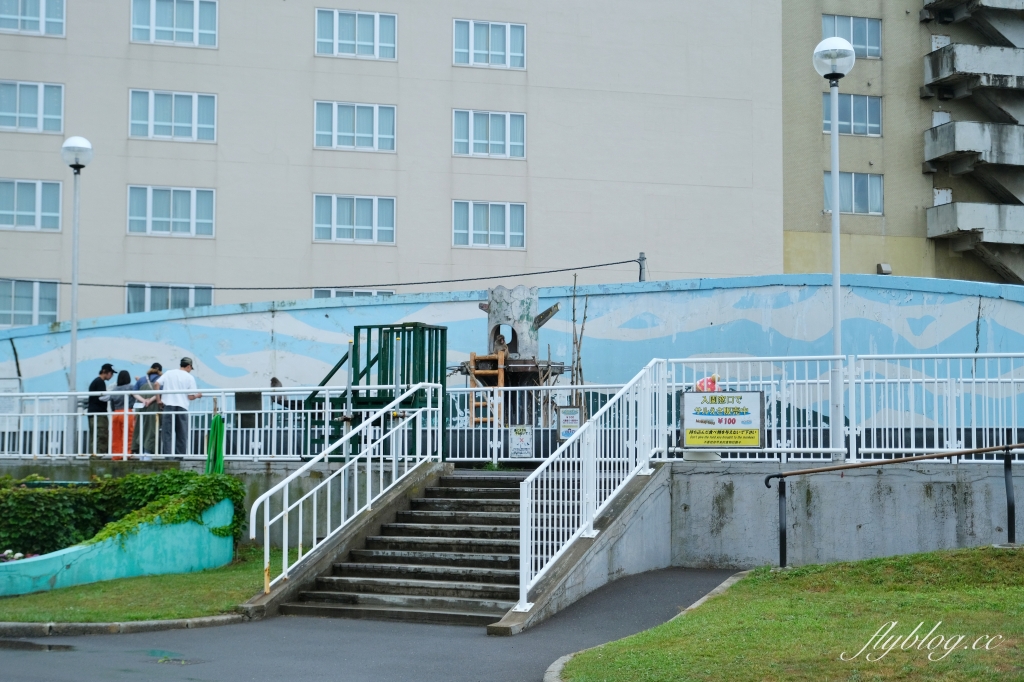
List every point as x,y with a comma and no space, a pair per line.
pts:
452,558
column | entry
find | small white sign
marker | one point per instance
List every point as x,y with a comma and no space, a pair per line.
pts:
569,421
520,442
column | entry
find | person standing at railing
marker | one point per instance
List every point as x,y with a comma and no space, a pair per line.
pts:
119,401
174,421
99,422
148,407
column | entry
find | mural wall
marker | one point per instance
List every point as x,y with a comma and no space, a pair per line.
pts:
627,325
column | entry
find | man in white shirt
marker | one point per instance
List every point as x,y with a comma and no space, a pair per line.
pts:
174,423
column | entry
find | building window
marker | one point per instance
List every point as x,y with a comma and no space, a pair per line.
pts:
365,35
858,114
864,34
858,193
363,127
142,298
24,302
488,225
481,43
31,107
349,293
175,211
175,22
34,17
29,205
185,116
353,219
489,133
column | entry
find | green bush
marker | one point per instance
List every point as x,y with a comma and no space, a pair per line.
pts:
38,520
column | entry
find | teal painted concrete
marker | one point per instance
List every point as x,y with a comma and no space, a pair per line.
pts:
154,550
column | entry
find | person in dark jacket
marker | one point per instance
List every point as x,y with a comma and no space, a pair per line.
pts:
99,422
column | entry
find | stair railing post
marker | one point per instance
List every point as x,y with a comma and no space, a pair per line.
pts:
525,546
782,523
1011,511
589,480
284,535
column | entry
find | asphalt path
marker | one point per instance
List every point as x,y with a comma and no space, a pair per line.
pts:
342,650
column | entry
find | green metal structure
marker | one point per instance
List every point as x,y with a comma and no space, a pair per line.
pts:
386,356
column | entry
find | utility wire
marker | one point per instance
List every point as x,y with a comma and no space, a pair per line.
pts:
388,284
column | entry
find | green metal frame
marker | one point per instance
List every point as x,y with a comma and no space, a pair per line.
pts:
422,354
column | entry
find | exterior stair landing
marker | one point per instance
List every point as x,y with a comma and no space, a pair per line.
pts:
453,558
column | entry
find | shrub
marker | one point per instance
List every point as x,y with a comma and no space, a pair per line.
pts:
39,520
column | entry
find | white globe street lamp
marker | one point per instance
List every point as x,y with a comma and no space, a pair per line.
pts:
77,153
833,59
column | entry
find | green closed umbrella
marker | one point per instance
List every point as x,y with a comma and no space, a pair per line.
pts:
215,446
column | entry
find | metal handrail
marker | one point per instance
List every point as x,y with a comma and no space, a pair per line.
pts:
1011,512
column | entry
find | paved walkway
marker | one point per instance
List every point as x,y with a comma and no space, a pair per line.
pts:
339,650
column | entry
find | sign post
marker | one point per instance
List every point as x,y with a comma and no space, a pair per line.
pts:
723,421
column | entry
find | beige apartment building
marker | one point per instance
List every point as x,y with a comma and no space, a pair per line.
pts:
930,148
322,145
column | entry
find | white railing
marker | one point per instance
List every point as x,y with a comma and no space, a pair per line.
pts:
797,393
921,404
561,498
259,423
514,423
377,455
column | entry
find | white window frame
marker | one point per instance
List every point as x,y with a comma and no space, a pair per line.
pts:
148,296
41,116
826,120
335,239
192,212
507,243
335,39
853,193
867,33
35,303
471,56
151,28
43,19
376,127
473,113
351,293
150,123
37,214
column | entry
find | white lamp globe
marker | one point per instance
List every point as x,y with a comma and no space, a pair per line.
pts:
834,58
76,152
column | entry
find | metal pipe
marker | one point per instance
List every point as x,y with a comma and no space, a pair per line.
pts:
836,416
1011,511
782,523
643,266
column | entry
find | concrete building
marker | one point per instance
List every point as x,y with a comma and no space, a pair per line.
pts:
930,117
318,145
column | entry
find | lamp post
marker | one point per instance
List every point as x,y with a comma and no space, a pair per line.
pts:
833,59
77,153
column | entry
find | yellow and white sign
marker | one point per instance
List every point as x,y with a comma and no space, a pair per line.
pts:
723,420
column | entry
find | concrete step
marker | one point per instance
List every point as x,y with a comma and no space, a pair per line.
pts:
475,518
465,559
408,601
447,588
502,576
474,493
388,613
449,504
428,544
482,481
451,530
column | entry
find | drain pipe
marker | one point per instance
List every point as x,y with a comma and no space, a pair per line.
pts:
1011,511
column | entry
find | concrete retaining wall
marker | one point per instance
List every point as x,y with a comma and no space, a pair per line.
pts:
153,550
723,516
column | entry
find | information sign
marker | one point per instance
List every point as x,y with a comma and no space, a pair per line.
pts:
723,420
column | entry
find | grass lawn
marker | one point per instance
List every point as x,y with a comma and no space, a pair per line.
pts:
795,625
183,595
